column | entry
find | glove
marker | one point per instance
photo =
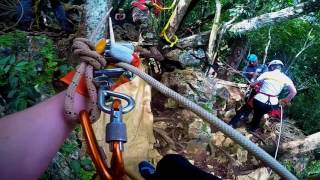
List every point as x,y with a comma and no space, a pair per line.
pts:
284,101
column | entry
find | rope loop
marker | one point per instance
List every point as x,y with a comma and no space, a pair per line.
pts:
89,59
174,40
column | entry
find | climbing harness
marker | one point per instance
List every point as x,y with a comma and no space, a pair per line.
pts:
116,136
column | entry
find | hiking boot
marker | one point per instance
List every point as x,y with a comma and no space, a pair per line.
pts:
146,169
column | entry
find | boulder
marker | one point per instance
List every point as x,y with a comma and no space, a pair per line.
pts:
187,58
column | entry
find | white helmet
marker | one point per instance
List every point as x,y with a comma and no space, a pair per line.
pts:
276,62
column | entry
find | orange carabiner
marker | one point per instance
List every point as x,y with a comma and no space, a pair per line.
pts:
117,164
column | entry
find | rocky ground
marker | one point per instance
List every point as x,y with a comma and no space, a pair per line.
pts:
178,130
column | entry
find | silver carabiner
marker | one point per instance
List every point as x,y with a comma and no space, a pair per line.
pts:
104,94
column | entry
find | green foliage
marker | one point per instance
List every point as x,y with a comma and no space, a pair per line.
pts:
287,39
68,147
86,175
305,110
25,73
208,106
15,78
313,168
77,167
289,165
16,40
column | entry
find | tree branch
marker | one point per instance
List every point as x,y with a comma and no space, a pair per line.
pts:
307,144
307,43
178,14
214,30
275,17
222,31
256,22
267,46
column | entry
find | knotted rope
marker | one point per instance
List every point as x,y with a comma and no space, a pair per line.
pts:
89,58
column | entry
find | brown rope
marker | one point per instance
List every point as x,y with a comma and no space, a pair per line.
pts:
89,58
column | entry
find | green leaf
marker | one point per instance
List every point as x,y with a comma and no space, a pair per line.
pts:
64,69
11,93
4,60
67,148
313,168
13,81
12,59
85,162
22,104
75,166
85,175
21,63
52,64
7,68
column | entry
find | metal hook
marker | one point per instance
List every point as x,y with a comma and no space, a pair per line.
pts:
104,94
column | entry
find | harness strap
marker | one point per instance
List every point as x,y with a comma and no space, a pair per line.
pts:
269,95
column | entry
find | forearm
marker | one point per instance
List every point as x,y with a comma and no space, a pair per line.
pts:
292,93
257,82
29,139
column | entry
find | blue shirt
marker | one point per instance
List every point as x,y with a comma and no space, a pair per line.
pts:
261,68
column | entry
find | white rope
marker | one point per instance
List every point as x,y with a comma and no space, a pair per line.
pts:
279,138
280,131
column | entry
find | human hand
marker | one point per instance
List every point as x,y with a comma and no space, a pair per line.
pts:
284,101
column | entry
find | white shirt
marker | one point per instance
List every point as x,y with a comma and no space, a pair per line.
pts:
273,83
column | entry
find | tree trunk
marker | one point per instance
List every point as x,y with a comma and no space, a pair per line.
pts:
196,40
307,144
238,51
275,17
248,25
214,32
178,14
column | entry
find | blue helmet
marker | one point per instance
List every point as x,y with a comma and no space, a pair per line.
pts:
252,58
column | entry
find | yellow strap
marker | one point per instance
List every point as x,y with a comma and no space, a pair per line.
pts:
164,8
164,34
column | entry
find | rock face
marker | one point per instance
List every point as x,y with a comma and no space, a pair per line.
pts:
187,58
198,129
193,85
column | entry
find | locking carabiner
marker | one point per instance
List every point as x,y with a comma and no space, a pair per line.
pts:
104,94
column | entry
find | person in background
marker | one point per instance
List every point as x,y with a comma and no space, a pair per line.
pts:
28,16
270,85
253,69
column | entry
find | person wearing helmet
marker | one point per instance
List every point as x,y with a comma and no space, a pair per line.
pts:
253,69
271,84
250,72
